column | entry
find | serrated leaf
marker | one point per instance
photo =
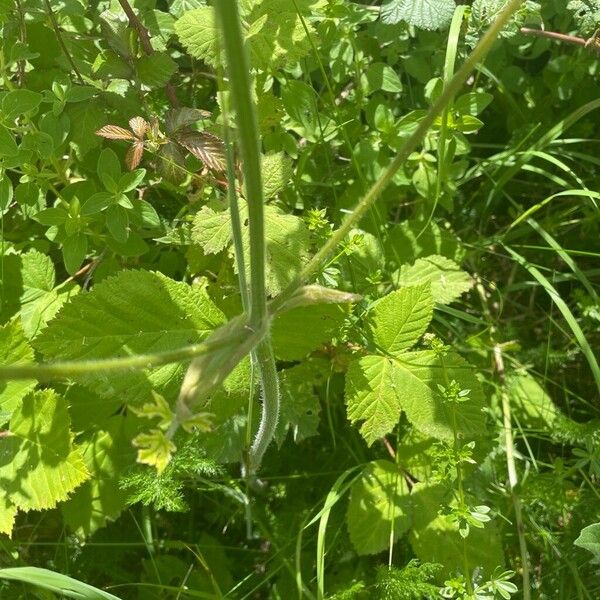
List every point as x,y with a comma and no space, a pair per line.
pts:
276,170
417,376
198,32
14,349
204,146
178,118
301,330
402,317
39,465
300,405
379,388
155,70
114,132
372,396
100,500
134,312
379,500
425,14
448,281
287,241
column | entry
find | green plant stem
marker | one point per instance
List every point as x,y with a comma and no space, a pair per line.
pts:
247,126
59,370
271,400
450,90
513,479
248,139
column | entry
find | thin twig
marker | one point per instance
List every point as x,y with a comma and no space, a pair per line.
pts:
144,37
554,35
62,42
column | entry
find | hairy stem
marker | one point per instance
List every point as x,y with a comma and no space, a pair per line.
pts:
248,137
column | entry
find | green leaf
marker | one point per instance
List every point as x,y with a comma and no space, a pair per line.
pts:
286,237
155,70
154,449
117,221
276,171
372,396
100,499
379,500
129,181
6,193
299,331
13,350
134,312
108,164
448,280
40,466
435,537
402,317
55,582
198,32
425,14
19,102
8,146
589,538
74,251
417,376
380,76
378,389
410,240
530,403
300,405
92,206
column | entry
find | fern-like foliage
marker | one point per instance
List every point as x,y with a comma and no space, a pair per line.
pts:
409,583
424,14
484,12
166,491
586,14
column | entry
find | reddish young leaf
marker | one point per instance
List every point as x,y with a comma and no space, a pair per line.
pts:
134,154
114,132
206,147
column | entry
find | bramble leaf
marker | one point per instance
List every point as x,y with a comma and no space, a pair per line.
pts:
402,317
372,396
14,349
286,238
424,14
379,501
39,465
134,312
448,280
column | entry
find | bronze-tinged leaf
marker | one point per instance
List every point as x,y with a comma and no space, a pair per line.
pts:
134,154
172,163
139,127
114,132
180,118
206,147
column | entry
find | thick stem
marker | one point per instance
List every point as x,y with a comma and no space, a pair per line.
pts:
450,90
247,125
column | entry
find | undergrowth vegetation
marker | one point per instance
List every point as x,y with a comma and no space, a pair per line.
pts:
299,299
